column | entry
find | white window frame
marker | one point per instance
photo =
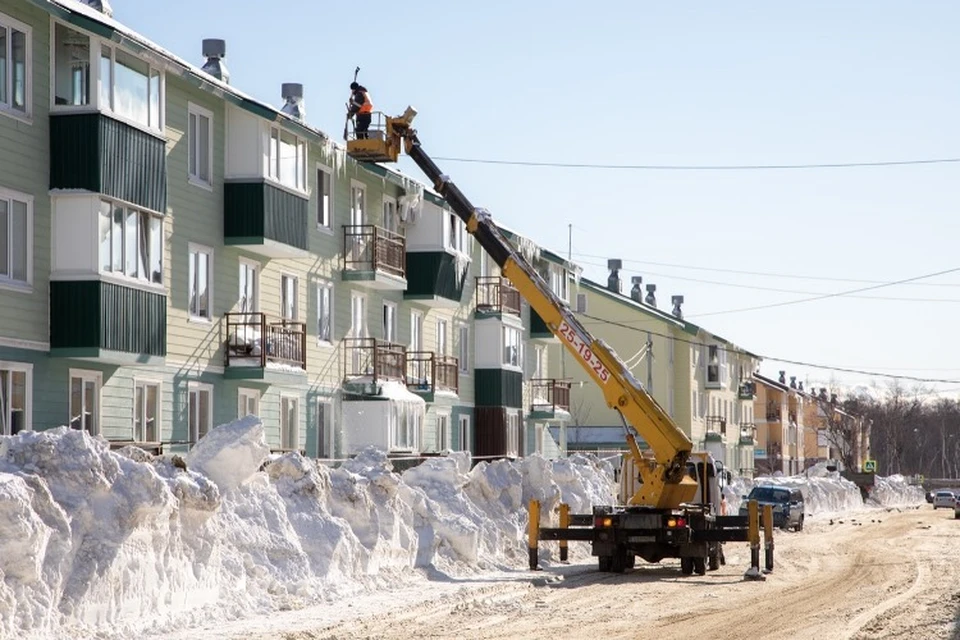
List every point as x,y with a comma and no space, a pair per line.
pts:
326,225
7,282
197,249
325,285
194,177
6,108
388,327
94,90
463,424
394,218
444,432
512,425
143,383
356,185
255,267
121,274
512,331
273,163
86,375
463,349
194,387
442,336
285,433
284,275
361,331
27,369
324,428
245,396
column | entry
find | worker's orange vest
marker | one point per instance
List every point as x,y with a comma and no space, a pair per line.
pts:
367,106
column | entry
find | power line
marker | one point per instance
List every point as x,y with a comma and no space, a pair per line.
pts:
731,167
799,363
828,295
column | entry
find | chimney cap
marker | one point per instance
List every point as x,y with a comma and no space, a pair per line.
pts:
651,288
614,264
214,48
291,90
676,299
636,279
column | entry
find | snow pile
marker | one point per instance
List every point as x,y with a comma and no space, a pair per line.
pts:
94,541
895,491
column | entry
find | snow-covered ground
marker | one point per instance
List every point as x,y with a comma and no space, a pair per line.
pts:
120,544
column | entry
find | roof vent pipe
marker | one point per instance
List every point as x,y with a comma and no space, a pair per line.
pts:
636,293
651,298
613,280
677,301
103,6
292,92
215,50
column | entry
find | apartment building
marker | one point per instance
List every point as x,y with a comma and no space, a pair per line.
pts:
781,438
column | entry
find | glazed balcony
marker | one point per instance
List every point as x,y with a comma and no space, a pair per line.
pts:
372,360
374,257
539,330
549,396
716,428
435,278
495,295
263,349
428,373
265,219
748,433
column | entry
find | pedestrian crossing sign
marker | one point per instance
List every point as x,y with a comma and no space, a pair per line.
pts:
869,466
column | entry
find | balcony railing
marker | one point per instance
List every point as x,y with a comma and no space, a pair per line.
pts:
717,424
367,247
748,431
253,340
549,394
495,294
369,357
428,371
773,412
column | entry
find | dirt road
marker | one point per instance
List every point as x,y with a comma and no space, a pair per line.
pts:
882,574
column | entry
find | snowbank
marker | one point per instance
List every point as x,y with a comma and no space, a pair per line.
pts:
895,491
119,544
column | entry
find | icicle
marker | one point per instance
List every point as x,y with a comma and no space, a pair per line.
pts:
411,202
528,249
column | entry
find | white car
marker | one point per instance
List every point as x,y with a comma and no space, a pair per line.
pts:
944,499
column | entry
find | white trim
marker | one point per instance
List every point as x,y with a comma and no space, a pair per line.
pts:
357,184
296,294
247,393
192,248
295,445
461,419
319,191
148,381
194,369
96,197
384,200
84,276
258,269
325,439
200,387
25,116
26,198
299,141
395,328
325,284
359,295
27,345
194,109
27,368
87,375
444,439
464,363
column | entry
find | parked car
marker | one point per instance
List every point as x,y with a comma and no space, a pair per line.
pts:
929,497
956,508
787,505
944,499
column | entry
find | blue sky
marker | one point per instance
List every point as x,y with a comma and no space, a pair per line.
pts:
733,83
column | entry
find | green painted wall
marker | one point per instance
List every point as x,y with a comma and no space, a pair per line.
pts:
257,210
498,388
434,273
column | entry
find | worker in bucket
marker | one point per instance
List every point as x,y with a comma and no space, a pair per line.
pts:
360,106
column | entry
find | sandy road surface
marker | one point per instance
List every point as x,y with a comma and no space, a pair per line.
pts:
879,574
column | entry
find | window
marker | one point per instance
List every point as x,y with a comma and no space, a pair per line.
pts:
16,237
358,200
390,220
289,423
146,412
463,350
442,337
443,431
85,400
200,140
287,159
324,429
325,312
405,422
511,346
418,368
199,410
358,315
201,282
716,365
131,243
558,281
324,198
15,394
289,309
248,402
389,322
513,433
72,67
249,286
464,428
15,66
539,369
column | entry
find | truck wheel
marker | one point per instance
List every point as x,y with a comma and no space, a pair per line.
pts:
714,559
800,524
686,566
631,561
619,561
700,566
605,562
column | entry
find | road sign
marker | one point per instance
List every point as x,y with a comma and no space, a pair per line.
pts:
869,466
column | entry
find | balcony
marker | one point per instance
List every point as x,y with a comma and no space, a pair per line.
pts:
428,373
748,434
550,398
539,330
374,257
746,391
258,348
496,296
435,278
368,362
774,412
716,428
265,219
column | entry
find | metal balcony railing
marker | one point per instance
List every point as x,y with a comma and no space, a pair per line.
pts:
254,340
369,357
716,424
549,394
428,371
367,247
748,431
773,412
495,294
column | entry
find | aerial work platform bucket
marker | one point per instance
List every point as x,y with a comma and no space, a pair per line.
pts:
377,144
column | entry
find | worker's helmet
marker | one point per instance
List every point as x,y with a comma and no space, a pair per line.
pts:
354,86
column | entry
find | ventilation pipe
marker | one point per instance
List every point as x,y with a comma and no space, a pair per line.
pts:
613,281
793,382
636,293
103,6
292,92
215,50
677,301
651,298
783,377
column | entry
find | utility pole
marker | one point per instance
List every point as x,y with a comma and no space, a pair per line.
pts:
563,352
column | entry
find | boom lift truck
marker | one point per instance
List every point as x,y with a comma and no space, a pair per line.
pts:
671,498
